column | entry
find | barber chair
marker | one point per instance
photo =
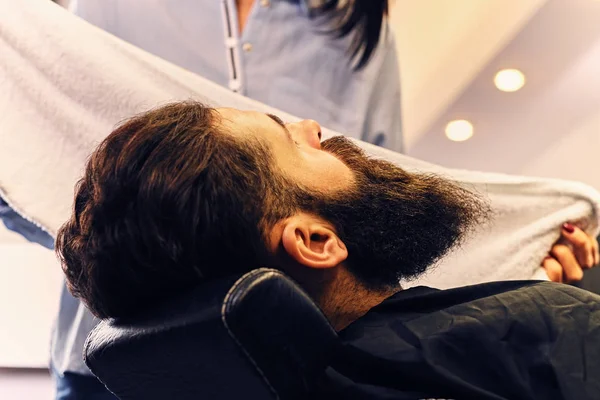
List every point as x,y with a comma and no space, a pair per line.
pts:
255,337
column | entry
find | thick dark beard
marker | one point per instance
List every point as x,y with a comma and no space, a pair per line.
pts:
395,224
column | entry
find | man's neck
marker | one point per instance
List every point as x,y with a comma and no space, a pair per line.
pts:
346,300
338,293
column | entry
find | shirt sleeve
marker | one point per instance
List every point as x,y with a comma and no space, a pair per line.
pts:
383,123
16,223
101,13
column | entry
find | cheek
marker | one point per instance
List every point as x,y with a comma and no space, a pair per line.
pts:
326,173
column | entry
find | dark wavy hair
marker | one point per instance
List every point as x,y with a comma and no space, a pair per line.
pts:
159,209
362,19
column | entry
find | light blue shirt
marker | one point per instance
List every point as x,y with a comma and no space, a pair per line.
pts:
280,59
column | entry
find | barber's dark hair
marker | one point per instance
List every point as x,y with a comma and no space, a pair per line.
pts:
159,209
363,19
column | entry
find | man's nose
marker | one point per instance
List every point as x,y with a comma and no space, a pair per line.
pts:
307,132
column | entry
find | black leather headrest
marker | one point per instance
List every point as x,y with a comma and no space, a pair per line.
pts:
259,336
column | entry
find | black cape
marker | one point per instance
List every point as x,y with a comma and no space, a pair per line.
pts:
501,340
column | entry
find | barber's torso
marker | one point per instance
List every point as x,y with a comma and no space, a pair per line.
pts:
280,58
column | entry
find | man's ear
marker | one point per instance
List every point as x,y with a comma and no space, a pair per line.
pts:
312,242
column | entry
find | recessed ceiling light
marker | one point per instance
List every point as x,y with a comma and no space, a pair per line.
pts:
459,130
509,80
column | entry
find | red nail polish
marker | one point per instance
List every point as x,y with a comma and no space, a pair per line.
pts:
569,228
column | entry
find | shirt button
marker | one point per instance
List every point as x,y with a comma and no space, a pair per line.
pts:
265,3
235,85
247,47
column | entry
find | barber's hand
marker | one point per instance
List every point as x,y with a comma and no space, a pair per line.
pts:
571,254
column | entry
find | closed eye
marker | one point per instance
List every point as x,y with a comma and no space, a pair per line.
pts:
276,119
282,124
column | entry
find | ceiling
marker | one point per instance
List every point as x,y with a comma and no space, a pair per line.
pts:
449,52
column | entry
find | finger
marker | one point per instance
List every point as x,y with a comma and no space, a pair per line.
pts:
570,267
582,244
553,269
596,252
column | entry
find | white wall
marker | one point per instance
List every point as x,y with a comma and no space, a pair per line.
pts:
30,285
443,45
550,128
574,156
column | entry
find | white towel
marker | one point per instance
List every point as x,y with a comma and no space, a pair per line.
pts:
64,84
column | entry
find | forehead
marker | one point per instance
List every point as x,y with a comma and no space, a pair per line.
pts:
253,125
241,118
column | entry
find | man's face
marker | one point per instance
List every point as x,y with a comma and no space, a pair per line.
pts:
296,148
394,224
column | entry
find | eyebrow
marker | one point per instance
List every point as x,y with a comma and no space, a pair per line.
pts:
282,124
